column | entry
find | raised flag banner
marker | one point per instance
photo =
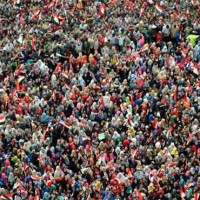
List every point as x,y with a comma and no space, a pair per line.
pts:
21,19
35,177
68,86
35,13
20,79
139,195
102,10
175,92
24,41
144,48
6,196
133,152
40,15
196,196
65,74
128,4
195,70
64,124
33,43
182,193
16,2
141,12
2,119
159,8
56,18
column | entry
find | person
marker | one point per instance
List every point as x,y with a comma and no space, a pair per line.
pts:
99,99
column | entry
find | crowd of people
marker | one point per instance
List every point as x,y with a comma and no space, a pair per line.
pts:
99,100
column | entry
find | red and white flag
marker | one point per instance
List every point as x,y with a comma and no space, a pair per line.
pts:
64,124
175,92
186,100
144,48
65,74
40,15
56,18
196,196
33,43
195,69
35,13
184,53
2,119
195,3
141,11
150,1
49,182
21,19
35,177
133,152
68,86
159,8
24,41
139,195
20,79
182,194
102,10
16,2
36,197
54,96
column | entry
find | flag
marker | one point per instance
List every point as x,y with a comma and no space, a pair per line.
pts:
172,164
56,3
150,1
184,53
40,15
102,10
182,194
123,107
24,41
196,196
25,166
195,69
141,11
33,43
21,19
54,96
56,18
68,86
6,197
44,135
133,152
35,177
128,4
19,186
175,92
2,119
36,197
195,3
188,185
144,48
139,195
20,79
189,138
65,74
186,100
159,8
49,182
64,124
16,2
36,12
